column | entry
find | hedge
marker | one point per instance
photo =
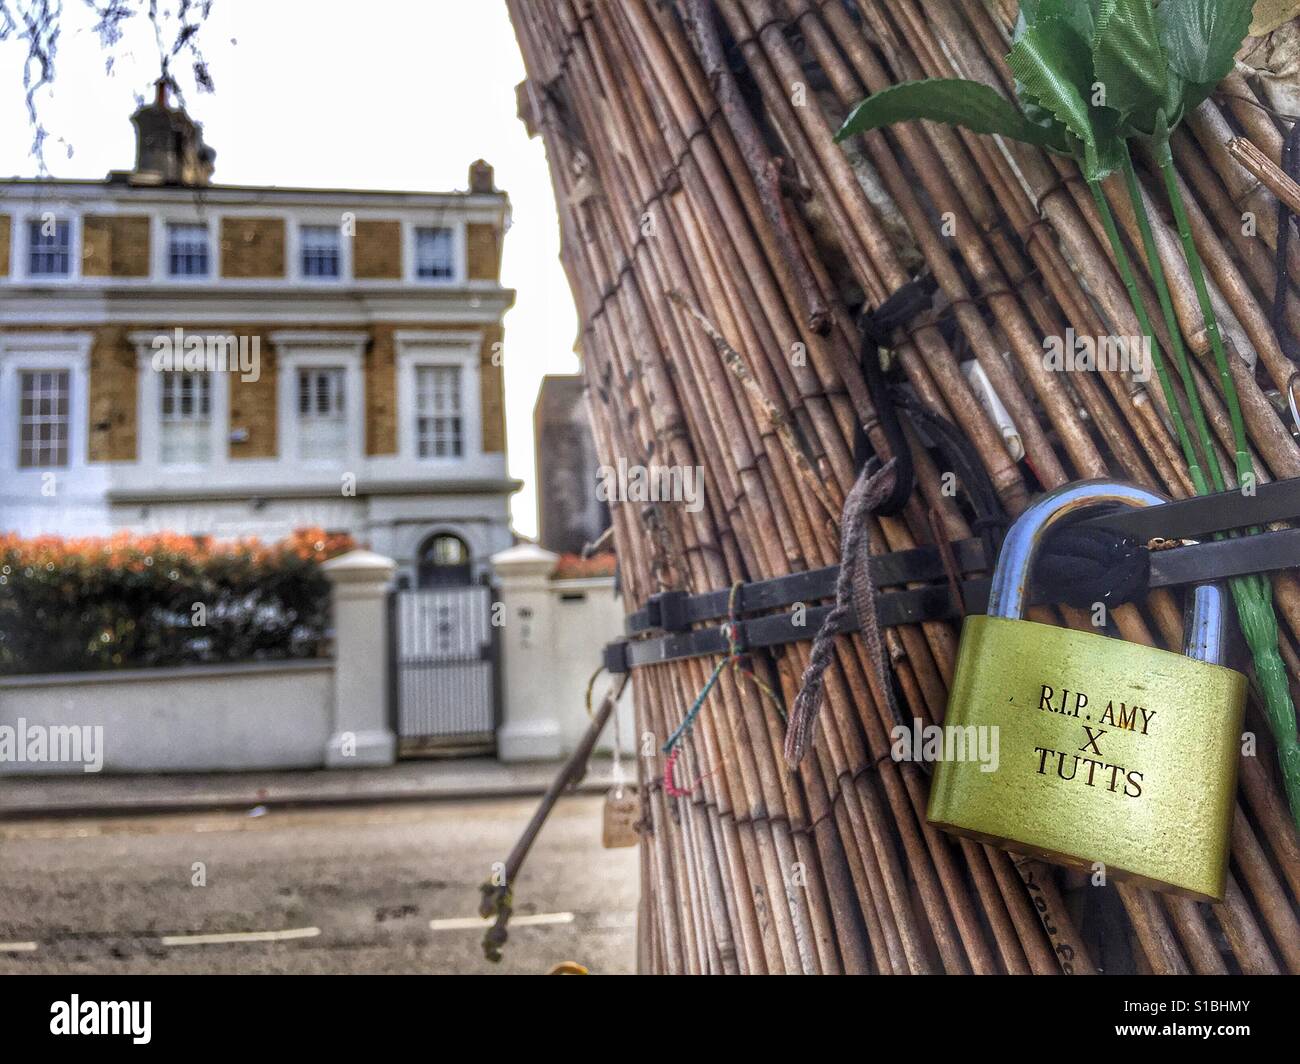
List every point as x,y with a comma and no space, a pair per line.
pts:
69,605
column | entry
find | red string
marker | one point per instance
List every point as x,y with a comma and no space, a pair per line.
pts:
670,787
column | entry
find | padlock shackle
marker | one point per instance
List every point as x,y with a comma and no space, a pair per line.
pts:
1010,588
1205,623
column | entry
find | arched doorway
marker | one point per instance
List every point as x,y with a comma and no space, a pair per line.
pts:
443,561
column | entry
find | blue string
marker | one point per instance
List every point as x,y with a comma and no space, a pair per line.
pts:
693,712
733,652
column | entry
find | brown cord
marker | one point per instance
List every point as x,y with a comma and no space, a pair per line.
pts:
854,591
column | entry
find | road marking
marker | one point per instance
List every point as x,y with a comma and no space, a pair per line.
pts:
460,923
240,936
18,947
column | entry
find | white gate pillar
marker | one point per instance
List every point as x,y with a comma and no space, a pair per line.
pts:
358,592
530,730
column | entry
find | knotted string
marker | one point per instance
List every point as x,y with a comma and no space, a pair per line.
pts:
854,590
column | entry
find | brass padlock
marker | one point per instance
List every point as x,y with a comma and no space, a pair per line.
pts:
1107,751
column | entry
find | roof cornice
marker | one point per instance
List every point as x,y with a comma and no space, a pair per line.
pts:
242,195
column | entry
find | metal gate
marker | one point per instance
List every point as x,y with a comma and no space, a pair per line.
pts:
444,669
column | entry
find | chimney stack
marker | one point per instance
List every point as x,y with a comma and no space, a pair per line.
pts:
169,148
482,178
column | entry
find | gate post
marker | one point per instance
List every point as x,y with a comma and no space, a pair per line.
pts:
362,734
529,730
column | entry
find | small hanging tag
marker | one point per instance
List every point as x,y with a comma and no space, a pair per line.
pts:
622,807
622,811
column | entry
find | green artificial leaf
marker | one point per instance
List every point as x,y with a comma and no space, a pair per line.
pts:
1129,62
1201,37
1035,112
954,101
1111,133
1053,66
1189,97
1054,72
1079,15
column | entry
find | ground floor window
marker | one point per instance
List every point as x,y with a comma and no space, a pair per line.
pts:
322,413
186,417
43,419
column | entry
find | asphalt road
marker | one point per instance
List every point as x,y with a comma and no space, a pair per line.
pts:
121,894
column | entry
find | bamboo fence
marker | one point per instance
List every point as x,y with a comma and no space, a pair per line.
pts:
715,239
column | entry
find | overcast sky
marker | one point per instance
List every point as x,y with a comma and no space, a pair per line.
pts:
393,94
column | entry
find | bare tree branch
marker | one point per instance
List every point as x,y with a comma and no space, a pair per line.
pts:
37,24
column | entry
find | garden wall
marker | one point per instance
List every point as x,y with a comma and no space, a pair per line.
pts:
293,713
202,718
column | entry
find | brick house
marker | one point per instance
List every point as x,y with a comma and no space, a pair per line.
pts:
238,360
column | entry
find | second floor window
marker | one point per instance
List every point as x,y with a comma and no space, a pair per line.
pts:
49,246
322,413
43,419
439,427
187,250
186,418
434,255
320,251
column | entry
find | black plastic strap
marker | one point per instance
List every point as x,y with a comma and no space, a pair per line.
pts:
615,657
1104,555
990,519
1191,518
918,565
1197,563
877,327
1201,515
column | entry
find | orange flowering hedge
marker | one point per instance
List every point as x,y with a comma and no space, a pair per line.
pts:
130,601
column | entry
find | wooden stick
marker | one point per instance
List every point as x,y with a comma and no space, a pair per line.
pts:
1266,170
701,269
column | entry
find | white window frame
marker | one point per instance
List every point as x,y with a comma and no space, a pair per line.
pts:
295,351
458,252
20,266
47,451
448,382
149,410
160,258
43,352
296,225
419,347
163,422
208,257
